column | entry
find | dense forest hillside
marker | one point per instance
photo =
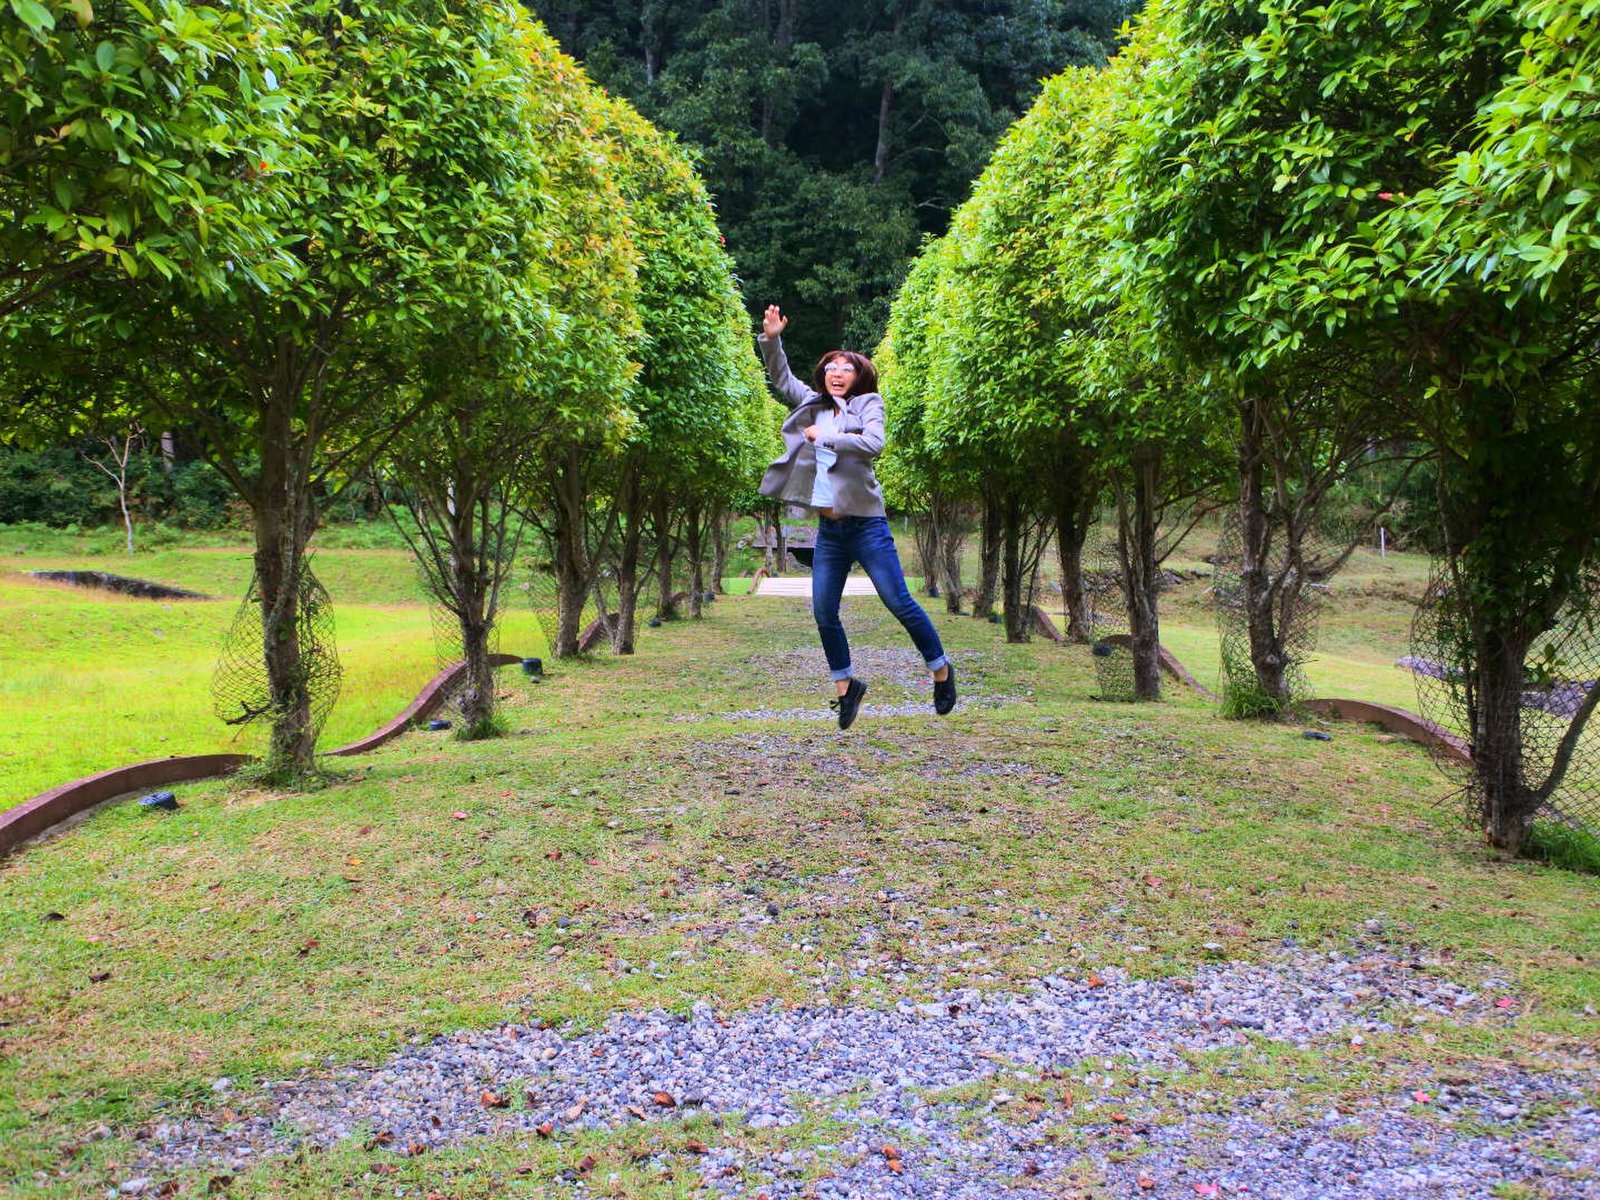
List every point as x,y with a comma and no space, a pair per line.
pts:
833,134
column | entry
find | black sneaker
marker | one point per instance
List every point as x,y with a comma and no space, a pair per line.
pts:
944,691
847,704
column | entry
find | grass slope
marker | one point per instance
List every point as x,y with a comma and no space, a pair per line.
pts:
93,680
253,935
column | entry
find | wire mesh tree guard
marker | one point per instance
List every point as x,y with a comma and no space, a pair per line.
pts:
240,690
1298,590
1559,760
541,588
449,647
1108,617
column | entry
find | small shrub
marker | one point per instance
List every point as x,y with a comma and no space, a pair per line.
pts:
1564,846
1245,701
151,537
493,726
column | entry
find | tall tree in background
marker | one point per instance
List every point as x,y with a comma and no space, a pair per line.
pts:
833,137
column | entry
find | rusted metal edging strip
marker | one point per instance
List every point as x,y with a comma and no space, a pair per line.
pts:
33,817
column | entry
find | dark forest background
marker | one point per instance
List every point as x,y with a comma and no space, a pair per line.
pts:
833,134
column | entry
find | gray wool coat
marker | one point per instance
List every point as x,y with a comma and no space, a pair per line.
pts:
858,441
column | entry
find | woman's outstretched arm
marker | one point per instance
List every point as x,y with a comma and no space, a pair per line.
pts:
790,390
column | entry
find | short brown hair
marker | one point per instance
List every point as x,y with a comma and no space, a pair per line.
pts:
866,379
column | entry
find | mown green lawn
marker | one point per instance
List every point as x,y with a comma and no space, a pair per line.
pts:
92,680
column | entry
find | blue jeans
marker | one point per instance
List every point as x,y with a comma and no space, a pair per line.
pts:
841,543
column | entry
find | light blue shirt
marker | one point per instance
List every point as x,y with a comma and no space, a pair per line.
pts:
822,489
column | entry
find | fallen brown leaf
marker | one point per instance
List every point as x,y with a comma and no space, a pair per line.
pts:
493,1099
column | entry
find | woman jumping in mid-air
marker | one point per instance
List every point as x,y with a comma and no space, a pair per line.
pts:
829,441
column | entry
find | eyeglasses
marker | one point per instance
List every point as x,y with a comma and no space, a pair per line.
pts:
832,367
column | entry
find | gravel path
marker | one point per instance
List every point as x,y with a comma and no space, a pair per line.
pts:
1072,1076
897,677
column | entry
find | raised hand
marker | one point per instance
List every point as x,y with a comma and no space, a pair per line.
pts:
773,322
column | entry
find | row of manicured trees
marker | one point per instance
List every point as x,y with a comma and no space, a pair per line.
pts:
498,404
620,497
701,426
1409,211
1149,420
941,489
436,244
1265,144
1009,402
1015,374
1319,230
393,204
591,412
913,478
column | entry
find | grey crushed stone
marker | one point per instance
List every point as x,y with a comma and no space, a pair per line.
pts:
878,1071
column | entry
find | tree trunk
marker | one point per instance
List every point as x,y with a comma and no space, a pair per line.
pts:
952,541
572,567
127,514
1073,520
769,535
666,606
780,541
988,560
1509,804
925,533
1258,589
284,517
694,538
477,702
880,155
1018,620
721,530
469,589
632,512
1136,546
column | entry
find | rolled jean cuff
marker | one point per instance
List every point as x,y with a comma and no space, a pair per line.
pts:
842,673
942,660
